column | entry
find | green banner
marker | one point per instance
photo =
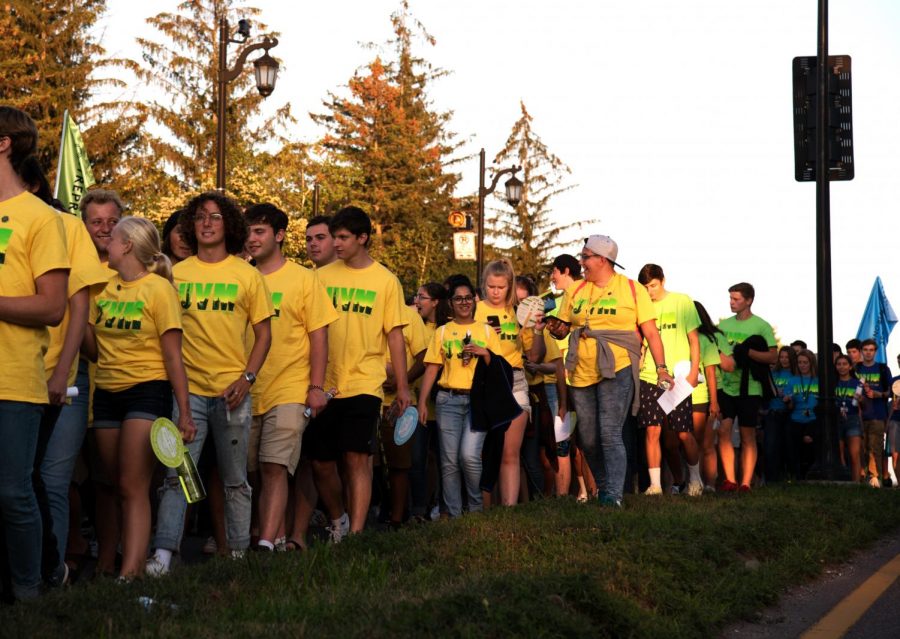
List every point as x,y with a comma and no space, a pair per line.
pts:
73,172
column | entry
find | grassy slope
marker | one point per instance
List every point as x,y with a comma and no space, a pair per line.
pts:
666,567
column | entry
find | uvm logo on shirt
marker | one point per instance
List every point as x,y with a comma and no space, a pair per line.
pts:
509,331
276,303
668,322
5,235
603,306
199,295
352,300
120,315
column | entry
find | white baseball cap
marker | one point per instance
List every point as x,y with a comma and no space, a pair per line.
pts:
604,246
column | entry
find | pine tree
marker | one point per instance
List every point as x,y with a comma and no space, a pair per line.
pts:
392,149
529,227
50,61
182,161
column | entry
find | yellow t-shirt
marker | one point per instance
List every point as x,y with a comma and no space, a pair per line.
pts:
86,271
369,302
414,339
32,243
92,366
129,319
430,328
612,307
218,300
553,353
446,349
510,345
301,307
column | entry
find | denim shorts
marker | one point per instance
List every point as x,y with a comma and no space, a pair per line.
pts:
850,426
147,400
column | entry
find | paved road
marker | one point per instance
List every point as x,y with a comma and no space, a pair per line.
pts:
802,609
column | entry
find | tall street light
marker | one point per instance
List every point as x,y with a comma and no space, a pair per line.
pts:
265,68
513,196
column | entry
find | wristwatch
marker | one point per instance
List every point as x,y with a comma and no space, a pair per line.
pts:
250,377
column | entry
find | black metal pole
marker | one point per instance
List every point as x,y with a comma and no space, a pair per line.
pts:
479,262
827,445
222,82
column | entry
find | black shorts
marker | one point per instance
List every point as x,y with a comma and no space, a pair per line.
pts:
679,420
746,409
147,400
347,425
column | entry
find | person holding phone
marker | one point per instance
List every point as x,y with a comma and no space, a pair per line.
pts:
451,353
497,310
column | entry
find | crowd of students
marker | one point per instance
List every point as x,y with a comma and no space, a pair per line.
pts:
287,382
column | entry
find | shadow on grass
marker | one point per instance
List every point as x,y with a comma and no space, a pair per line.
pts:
663,567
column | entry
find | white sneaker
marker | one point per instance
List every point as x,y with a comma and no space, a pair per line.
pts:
654,490
237,554
874,483
156,568
694,489
341,530
709,488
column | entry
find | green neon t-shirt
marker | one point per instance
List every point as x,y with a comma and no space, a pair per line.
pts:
676,316
736,331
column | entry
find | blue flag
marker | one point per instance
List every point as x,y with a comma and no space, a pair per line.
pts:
878,320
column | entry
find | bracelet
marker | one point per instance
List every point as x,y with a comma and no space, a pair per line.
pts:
315,387
662,367
537,332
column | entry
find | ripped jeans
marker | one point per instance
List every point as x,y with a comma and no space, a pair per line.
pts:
230,432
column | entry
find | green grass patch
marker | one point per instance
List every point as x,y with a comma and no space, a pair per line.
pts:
662,567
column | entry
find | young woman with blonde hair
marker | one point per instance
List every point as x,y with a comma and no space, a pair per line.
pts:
497,309
135,336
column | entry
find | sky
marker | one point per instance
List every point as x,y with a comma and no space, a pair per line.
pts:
675,118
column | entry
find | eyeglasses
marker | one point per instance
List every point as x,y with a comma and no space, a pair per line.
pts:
424,298
584,257
468,299
212,217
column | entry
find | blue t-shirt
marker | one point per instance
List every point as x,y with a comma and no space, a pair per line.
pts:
782,377
878,377
804,398
845,395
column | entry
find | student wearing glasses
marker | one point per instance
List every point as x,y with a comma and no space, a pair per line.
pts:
452,353
222,299
607,313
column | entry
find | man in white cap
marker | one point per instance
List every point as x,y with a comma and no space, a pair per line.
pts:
605,311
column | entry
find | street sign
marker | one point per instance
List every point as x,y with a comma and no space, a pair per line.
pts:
464,245
840,122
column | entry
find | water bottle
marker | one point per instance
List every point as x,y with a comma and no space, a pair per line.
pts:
329,395
857,395
190,480
466,357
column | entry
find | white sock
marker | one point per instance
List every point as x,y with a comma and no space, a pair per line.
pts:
694,473
265,543
163,556
654,478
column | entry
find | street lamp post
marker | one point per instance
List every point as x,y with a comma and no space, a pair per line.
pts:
513,196
265,69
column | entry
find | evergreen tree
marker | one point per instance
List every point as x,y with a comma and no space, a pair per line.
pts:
392,149
50,61
182,160
533,233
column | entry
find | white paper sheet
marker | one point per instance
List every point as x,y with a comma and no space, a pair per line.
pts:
675,395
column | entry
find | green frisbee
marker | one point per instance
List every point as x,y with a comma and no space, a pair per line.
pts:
166,442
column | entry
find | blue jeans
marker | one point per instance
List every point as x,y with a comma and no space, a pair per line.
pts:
231,436
460,449
19,425
602,410
62,453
